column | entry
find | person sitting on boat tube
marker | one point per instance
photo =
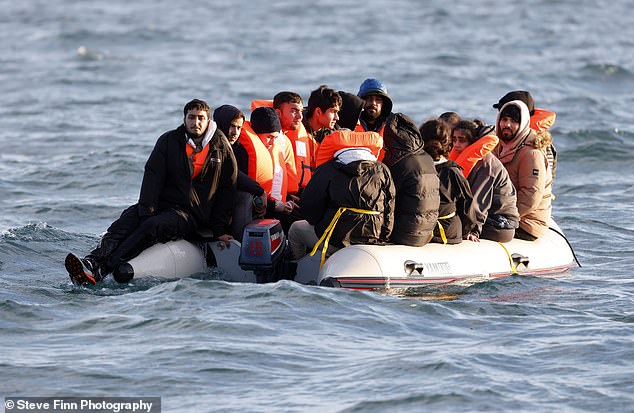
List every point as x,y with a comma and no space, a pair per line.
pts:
494,195
456,215
349,200
265,149
189,182
251,199
322,112
524,156
377,107
415,181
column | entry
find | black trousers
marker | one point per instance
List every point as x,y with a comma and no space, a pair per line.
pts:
521,234
129,235
496,234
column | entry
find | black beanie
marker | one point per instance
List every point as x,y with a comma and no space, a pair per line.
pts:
265,120
512,112
522,95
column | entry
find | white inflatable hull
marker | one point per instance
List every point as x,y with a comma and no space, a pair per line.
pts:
394,266
375,267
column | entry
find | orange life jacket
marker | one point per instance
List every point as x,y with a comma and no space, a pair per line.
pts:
345,138
197,158
542,119
304,149
359,128
266,165
473,153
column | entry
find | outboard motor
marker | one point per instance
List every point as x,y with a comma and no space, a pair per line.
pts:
262,250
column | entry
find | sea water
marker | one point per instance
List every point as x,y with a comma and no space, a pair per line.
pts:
87,87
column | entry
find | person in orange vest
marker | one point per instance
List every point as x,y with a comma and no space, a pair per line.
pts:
290,107
322,112
189,183
540,121
378,105
495,197
350,200
265,148
251,198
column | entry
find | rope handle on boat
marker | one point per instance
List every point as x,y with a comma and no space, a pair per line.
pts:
567,242
508,254
331,227
441,230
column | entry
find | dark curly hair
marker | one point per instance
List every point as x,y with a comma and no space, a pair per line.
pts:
437,137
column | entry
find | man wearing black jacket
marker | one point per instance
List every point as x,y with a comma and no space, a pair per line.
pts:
350,199
189,183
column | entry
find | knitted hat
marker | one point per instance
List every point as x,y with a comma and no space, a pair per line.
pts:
265,120
512,112
522,95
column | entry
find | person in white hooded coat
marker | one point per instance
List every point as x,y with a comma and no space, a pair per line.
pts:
524,157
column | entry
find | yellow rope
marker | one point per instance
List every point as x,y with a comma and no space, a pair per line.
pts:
441,229
513,268
331,227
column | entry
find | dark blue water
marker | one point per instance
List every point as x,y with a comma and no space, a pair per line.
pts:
88,86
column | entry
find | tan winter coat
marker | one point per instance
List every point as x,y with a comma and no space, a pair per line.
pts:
525,160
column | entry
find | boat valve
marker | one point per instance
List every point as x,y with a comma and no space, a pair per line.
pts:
413,267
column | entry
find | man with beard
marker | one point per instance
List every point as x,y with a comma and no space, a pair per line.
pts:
378,105
189,182
524,157
251,198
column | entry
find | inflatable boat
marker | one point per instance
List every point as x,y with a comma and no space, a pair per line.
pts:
260,258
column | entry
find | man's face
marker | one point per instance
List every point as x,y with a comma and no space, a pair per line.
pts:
268,138
235,127
196,122
290,115
508,128
328,118
460,141
373,106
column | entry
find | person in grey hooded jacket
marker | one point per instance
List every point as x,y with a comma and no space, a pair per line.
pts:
415,180
494,195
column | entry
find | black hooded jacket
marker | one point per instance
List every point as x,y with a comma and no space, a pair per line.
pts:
455,197
415,180
351,108
223,115
168,183
342,182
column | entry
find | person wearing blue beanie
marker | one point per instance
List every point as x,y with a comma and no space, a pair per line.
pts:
377,107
